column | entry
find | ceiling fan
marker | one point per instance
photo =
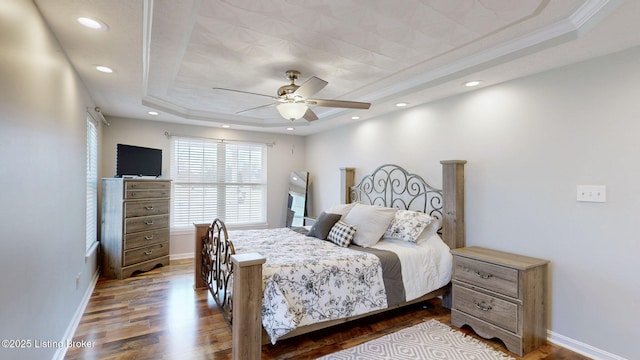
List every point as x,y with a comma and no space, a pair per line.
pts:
293,100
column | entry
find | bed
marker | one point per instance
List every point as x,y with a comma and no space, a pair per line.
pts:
387,245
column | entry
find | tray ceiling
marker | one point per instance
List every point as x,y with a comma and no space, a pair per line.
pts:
169,55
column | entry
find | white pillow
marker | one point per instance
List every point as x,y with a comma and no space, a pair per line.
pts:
407,225
342,209
429,231
371,222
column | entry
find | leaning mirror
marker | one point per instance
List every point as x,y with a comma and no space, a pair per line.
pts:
297,202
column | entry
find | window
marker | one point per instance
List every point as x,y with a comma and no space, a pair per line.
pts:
92,185
216,179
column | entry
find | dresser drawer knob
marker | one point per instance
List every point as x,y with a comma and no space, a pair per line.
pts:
482,306
148,252
483,275
149,222
148,207
148,237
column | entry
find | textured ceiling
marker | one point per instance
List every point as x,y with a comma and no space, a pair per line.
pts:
170,55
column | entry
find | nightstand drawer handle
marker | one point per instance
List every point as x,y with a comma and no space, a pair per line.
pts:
148,237
148,252
482,306
484,276
150,222
148,207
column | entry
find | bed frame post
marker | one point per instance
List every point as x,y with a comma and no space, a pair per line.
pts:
347,180
247,306
201,232
453,196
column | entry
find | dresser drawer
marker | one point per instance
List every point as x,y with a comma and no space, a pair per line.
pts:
146,185
498,278
146,223
146,194
146,208
145,238
486,307
146,253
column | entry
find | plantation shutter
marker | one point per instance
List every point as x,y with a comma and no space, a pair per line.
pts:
213,179
92,185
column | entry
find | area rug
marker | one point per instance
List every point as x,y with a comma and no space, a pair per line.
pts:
428,340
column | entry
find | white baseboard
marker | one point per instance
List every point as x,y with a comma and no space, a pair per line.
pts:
181,256
580,347
73,325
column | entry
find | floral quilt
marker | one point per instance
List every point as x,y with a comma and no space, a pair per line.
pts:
307,280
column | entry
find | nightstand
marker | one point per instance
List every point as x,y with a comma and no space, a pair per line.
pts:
501,295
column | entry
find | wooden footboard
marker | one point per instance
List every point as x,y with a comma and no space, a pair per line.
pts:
226,274
214,267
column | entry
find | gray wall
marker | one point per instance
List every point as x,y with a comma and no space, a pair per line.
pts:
529,143
42,184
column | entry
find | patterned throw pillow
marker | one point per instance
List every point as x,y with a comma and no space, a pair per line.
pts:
407,225
342,234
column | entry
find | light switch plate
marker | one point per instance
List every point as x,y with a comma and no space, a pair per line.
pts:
592,193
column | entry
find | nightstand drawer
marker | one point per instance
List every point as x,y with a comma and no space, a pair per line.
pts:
486,307
495,277
146,253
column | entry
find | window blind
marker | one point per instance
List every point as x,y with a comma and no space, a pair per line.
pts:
213,179
92,185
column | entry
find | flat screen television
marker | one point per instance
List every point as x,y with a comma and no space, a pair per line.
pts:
138,161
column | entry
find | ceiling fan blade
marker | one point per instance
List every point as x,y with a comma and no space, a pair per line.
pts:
245,92
310,115
310,87
255,108
338,104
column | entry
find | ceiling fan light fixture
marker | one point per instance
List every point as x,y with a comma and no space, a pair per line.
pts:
292,110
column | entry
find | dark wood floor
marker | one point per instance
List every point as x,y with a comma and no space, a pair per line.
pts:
158,315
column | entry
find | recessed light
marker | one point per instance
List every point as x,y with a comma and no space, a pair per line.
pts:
226,126
472,83
154,113
355,118
104,69
92,23
290,128
402,104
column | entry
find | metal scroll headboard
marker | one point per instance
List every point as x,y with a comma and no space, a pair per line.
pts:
392,186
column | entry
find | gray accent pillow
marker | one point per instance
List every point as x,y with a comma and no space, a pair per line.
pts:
323,225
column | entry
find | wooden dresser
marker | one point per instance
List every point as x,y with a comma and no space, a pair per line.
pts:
501,295
135,225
